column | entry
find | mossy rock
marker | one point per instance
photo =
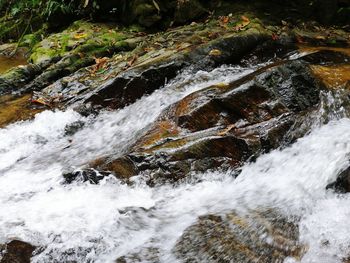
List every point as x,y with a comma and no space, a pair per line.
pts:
80,38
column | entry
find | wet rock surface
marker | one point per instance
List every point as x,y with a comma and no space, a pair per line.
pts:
224,125
89,175
16,251
260,236
131,77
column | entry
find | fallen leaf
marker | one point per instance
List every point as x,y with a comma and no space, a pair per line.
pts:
223,21
274,37
320,37
80,35
245,19
243,24
41,101
101,63
133,60
215,52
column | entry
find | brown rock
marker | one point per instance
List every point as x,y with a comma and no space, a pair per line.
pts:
17,251
122,167
259,236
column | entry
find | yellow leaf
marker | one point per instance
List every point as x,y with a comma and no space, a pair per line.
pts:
80,35
320,37
215,52
245,19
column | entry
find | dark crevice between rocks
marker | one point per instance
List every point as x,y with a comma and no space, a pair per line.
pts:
342,182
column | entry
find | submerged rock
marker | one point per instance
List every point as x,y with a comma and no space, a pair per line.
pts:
16,251
259,236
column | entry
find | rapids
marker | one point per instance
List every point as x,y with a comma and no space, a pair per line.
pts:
83,222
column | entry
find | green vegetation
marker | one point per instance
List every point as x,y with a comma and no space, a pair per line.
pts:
29,21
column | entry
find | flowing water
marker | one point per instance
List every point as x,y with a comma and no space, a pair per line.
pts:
99,223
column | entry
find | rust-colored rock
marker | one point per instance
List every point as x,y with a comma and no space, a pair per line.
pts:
122,167
221,126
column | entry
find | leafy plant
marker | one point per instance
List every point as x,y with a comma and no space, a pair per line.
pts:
54,6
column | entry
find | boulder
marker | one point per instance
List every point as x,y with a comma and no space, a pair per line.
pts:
222,125
258,236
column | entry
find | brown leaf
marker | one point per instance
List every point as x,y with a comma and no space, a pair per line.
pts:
223,21
320,37
243,24
274,37
41,101
215,52
133,60
101,63
245,19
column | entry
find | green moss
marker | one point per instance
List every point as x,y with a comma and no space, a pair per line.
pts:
112,36
30,40
121,46
81,38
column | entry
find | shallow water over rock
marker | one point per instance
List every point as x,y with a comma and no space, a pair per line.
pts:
7,63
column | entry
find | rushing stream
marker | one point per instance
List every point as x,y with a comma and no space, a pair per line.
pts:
98,223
